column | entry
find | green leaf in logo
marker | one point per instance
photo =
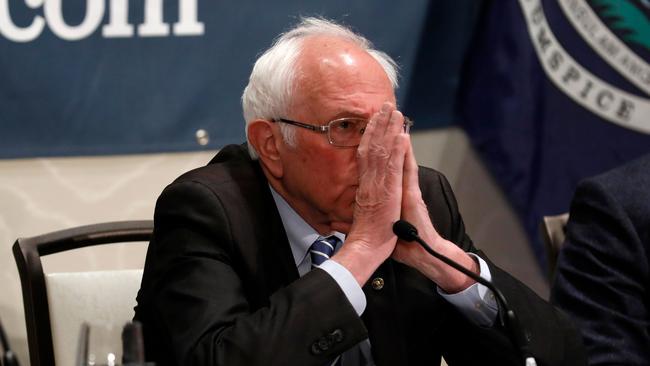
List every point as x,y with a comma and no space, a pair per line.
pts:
627,17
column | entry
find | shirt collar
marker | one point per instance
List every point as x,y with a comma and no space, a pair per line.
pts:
300,234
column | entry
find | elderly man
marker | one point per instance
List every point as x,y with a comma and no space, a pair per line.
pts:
288,257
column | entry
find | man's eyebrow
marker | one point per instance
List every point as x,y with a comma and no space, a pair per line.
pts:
350,114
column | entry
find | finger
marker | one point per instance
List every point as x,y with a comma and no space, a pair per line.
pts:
395,124
364,147
376,126
382,149
395,165
382,119
410,167
378,148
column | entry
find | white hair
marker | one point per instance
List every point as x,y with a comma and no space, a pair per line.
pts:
270,86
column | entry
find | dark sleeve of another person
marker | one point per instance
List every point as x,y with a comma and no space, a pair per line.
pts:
603,277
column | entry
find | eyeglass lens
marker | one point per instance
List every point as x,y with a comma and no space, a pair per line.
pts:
348,131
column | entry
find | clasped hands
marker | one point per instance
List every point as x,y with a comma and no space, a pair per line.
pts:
388,191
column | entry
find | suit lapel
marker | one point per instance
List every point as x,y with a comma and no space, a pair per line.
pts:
265,250
383,318
277,254
282,265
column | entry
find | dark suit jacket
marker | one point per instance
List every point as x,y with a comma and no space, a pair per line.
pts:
220,288
603,273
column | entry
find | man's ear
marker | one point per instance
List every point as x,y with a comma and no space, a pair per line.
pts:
265,138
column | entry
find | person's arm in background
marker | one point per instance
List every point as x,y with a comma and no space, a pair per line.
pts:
602,279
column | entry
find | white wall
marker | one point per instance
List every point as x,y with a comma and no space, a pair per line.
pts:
43,195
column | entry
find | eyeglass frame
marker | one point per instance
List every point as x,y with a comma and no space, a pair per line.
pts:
408,123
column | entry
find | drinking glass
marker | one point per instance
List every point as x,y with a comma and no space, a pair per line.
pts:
106,345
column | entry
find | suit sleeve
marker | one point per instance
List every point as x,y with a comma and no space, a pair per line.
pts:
602,277
553,337
194,305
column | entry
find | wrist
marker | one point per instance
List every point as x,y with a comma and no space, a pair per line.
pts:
446,277
360,259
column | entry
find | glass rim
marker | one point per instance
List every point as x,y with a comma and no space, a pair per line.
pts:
326,128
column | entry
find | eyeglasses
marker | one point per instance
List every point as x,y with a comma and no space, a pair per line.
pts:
342,132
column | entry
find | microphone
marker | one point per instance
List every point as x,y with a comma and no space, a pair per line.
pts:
407,232
8,358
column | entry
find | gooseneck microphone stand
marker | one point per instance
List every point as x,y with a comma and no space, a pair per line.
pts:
407,232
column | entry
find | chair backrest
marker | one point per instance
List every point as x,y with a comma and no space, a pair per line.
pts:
553,230
39,300
102,298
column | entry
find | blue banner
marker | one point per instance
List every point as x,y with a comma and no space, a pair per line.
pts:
555,91
123,76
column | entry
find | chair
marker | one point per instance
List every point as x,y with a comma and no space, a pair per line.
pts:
52,319
553,230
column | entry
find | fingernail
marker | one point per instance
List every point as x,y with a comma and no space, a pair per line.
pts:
384,108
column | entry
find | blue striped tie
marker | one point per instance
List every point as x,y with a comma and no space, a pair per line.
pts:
322,250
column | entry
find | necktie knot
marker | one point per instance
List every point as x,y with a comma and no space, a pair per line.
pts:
322,250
